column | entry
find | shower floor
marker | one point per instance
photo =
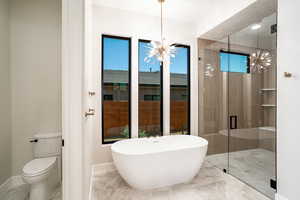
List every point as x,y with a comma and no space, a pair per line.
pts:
255,167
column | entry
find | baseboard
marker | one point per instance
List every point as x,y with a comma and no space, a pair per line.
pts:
10,183
279,197
103,168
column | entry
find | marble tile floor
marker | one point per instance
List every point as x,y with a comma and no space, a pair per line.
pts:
255,167
21,192
210,184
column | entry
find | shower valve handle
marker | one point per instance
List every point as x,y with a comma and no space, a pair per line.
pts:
91,112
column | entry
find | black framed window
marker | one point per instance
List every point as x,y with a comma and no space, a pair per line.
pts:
180,91
239,62
116,79
150,94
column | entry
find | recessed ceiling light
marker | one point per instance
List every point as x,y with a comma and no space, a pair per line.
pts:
255,26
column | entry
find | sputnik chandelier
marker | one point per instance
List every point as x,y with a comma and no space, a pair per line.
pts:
161,50
260,61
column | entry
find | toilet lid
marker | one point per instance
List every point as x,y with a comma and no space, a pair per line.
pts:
39,165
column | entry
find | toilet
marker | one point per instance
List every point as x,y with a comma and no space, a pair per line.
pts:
43,173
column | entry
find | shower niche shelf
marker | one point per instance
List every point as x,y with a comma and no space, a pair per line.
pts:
268,89
268,105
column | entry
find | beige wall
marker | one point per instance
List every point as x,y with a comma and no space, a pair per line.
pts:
244,98
35,73
5,135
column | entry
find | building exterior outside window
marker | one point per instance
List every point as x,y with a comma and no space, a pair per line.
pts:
180,91
116,67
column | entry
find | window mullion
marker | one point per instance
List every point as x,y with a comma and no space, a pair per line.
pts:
134,90
166,97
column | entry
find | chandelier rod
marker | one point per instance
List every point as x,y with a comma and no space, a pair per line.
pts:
257,35
161,20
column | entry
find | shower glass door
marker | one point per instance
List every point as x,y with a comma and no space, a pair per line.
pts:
213,98
237,103
252,105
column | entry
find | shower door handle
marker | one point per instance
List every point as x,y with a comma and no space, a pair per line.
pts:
233,122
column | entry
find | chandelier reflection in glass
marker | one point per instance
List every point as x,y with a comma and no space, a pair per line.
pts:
260,61
209,71
161,50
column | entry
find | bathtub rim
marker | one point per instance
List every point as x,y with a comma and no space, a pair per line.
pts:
202,143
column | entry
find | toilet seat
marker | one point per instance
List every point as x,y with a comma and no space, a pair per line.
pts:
39,166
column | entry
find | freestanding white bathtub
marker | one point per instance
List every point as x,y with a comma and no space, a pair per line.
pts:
148,163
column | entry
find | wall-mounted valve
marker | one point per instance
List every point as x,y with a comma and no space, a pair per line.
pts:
92,93
91,112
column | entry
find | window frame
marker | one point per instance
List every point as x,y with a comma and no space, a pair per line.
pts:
129,39
188,47
161,87
237,53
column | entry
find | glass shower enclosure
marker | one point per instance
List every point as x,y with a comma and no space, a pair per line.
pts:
237,103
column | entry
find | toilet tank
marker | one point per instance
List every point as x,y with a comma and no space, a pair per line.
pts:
47,145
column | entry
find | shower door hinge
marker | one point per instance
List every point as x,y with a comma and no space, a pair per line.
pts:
63,142
274,28
273,184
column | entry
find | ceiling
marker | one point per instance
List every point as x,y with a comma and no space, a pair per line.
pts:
240,23
180,10
220,17
261,37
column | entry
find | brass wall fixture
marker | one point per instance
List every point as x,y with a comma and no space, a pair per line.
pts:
91,112
287,74
92,93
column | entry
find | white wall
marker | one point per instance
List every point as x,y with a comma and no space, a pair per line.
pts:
5,134
288,136
35,56
137,26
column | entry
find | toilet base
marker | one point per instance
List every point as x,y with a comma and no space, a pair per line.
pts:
39,191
